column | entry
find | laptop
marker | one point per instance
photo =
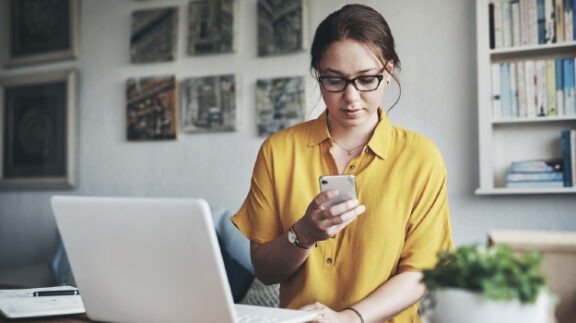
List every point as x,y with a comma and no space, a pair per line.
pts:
152,260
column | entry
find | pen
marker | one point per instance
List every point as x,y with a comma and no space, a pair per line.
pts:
57,293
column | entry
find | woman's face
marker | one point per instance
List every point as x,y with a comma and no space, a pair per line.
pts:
351,59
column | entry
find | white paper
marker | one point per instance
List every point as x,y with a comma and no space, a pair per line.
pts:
19,303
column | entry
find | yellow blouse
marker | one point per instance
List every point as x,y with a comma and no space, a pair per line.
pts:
400,178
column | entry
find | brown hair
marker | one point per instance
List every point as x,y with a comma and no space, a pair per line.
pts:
361,23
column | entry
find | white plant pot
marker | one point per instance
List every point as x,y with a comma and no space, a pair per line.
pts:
454,305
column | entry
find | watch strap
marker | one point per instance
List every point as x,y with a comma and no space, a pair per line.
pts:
296,241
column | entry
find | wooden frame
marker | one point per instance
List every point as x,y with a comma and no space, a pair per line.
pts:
38,131
39,31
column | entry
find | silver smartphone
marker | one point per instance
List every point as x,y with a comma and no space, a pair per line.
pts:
344,184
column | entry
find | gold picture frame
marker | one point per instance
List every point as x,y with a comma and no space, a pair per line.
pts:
39,31
38,130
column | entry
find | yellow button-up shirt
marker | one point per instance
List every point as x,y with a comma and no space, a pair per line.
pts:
400,178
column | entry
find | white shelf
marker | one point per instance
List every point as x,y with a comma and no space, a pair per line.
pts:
522,191
502,141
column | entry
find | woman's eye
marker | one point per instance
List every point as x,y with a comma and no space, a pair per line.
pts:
334,81
366,80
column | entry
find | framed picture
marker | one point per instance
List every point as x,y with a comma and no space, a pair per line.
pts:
211,25
209,103
39,31
154,35
151,108
38,136
279,103
280,27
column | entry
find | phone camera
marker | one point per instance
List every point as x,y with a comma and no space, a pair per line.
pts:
324,182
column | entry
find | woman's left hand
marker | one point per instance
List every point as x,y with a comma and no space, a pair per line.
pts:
324,314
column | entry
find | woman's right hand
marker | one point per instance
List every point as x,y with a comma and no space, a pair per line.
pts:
322,222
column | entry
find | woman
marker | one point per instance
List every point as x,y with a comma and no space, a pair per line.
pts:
360,260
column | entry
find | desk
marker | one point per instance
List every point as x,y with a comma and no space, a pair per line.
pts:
79,318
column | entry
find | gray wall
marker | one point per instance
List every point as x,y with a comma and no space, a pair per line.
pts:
435,41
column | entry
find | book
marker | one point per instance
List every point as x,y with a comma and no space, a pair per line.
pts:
534,184
21,303
534,176
573,154
567,157
551,88
559,16
559,69
569,89
544,165
496,97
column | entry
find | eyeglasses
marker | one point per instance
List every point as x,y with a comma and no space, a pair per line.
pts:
365,83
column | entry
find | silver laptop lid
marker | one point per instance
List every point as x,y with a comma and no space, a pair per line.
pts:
145,260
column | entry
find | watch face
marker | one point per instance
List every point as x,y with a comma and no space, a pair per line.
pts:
291,237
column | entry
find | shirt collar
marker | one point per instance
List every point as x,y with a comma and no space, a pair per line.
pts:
379,143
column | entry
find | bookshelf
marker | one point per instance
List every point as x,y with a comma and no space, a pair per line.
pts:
506,139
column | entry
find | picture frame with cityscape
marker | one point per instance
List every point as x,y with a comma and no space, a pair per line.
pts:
280,103
208,103
154,35
211,27
151,108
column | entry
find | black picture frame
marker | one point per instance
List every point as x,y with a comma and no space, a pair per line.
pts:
38,131
39,31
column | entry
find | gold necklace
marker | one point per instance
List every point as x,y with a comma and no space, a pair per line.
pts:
349,151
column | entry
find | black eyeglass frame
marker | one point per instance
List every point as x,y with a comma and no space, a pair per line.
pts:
350,81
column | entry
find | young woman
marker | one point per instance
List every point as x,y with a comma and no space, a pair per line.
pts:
360,260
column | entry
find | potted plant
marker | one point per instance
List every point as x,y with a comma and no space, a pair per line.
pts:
476,283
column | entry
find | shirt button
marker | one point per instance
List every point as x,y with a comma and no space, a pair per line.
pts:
351,167
329,261
366,150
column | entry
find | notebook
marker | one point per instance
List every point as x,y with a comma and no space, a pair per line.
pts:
151,260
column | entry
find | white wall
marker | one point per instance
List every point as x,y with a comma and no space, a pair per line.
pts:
435,41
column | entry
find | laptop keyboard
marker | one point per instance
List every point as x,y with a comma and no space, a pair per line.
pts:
255,318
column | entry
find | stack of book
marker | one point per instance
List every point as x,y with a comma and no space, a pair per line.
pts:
568,145
536,173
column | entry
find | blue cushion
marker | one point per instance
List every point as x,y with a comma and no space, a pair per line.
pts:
236,244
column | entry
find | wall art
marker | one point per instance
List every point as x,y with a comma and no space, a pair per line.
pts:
154,35
38,136
39,31
280,103
151,109
280,27
211,27
209,103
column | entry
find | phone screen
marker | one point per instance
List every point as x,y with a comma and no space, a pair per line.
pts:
344,184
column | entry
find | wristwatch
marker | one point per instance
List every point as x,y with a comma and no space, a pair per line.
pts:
293,239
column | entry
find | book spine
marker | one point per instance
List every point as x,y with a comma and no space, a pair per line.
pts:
541,21
559,69
566,157
491,38
531,166
506,24
551,88
497,23
496,96
515,20
569,20
530,184
531,95
513,89
550,22
559,16
505,90
569,102
521,89
542,109
535,176
573,154
524,23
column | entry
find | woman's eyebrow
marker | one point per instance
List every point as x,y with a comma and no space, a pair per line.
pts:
337,72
